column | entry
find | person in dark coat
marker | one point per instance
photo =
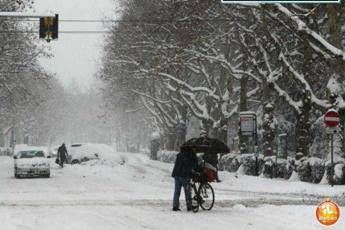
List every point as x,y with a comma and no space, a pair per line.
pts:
62,154
211,157
186,163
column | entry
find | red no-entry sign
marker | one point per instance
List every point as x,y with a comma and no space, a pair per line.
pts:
331,118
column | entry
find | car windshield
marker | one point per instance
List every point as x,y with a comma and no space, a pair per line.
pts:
30,154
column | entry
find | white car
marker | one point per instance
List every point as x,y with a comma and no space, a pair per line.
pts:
31,163
78,153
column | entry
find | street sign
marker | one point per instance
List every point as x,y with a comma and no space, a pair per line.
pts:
248,123
331,118
332,130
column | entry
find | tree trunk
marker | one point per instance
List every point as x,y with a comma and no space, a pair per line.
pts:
268,122
169,141
303,127
244,146
269,127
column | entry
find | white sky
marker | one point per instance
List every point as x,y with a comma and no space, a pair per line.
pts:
76,56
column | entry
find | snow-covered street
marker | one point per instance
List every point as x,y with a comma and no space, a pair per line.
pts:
118,107
129,191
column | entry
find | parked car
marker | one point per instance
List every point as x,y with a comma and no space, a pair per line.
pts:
31,163
78,153
53,151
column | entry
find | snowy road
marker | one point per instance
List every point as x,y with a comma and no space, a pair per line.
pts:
132,192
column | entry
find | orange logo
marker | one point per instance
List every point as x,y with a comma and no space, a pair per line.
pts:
328,212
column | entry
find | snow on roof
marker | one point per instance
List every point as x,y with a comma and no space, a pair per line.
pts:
24,147
247,113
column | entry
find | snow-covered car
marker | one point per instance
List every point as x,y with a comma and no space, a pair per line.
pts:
78,153
31,163
53,151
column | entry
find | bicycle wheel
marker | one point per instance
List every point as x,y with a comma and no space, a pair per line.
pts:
206,196
194,195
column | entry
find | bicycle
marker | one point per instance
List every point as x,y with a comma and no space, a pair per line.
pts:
202,193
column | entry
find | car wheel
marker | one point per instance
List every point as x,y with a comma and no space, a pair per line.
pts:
48,175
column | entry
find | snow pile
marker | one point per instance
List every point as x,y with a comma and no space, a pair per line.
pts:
335,174
167,156
339,171
114,159
91,151
294,177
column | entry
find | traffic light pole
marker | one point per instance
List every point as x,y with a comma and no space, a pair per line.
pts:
24,15
49,23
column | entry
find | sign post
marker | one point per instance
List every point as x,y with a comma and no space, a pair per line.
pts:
331,119
248,127
283,145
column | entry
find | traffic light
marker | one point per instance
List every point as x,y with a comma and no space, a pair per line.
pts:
49,27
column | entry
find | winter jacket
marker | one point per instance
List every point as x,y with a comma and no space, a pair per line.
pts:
185,164
62,153
211,158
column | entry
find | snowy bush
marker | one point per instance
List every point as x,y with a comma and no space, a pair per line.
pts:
310,169
235,164
277,168
335,174
249,164
229,162
167,156
317,166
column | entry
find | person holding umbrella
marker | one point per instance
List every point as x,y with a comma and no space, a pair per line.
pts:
185,165
211,157
210,147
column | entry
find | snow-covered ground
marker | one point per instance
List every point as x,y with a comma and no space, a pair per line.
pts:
129,191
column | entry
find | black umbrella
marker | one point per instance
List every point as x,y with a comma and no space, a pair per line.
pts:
206,144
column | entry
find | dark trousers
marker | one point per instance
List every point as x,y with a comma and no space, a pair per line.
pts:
179,183
62,160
